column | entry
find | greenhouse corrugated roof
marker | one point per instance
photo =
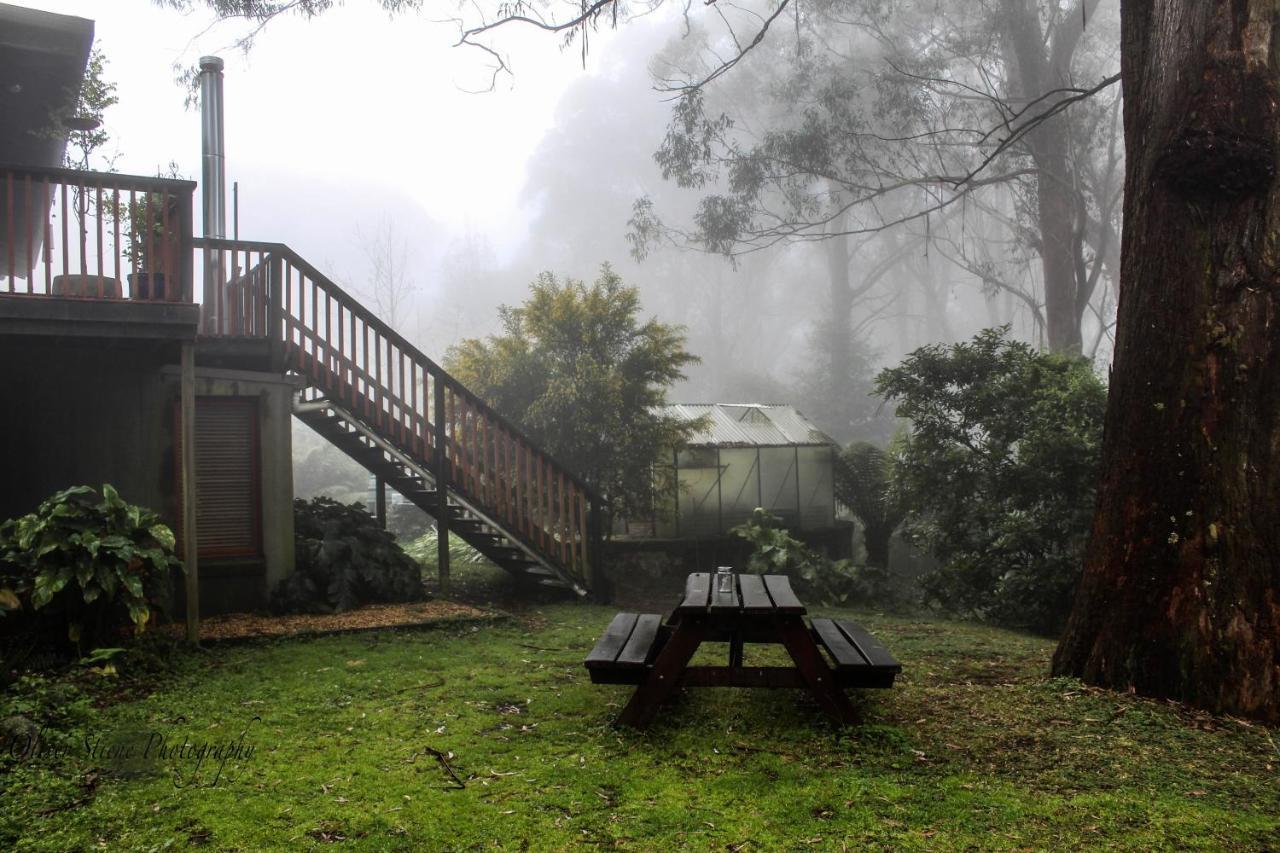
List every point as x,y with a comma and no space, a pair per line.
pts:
748,425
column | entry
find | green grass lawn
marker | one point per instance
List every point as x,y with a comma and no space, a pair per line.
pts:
975,748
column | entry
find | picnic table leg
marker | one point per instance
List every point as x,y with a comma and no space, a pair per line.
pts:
666,672
735,650
814,670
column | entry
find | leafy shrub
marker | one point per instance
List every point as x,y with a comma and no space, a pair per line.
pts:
88,561
863,482
425,550
344,559
999,469
581,371
777,552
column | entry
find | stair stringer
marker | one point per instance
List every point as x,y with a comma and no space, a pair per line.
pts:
396,456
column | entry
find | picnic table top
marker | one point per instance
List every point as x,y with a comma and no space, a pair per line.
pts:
749,594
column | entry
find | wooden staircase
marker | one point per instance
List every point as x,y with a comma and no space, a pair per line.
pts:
377,398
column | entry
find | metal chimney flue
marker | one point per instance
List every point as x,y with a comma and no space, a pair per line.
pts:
213,186
211,138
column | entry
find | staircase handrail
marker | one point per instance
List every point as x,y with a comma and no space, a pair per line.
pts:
429,365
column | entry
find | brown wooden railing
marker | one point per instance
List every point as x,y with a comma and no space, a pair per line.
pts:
78,234
358,362
94,235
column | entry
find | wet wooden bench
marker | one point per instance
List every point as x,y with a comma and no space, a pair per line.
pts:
625,651
861,660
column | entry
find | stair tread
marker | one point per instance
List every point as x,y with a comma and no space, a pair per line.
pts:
355,437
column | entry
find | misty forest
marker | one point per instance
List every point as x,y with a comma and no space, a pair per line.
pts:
391,464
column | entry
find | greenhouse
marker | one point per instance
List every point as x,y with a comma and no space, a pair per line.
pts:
747,455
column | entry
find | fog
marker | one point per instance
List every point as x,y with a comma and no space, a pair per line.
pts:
354,131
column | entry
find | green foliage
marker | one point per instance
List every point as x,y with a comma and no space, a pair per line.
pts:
999,470
776,552
344,559
97,95
581,374
972,749
424,549
863,482
146,234
87,559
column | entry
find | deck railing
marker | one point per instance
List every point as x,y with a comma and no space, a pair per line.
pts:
354,359
95,235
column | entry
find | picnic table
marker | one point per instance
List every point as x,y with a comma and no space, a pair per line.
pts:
737,608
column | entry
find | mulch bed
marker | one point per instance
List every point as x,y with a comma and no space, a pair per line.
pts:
249,626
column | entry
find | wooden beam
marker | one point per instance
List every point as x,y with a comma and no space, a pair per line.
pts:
442,484
380,500
189,532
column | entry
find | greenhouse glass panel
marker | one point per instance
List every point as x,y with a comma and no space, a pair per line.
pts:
739,485
817,492
778,482
698,484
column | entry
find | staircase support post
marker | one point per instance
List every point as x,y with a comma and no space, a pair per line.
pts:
594,574
380,500
187,424
442,485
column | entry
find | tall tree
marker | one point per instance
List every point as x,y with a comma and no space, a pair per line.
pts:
928,100
883,116
580,372
1181,591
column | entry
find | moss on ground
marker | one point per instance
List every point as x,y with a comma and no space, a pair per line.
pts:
360,738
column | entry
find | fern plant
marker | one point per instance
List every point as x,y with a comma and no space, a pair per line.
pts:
863,482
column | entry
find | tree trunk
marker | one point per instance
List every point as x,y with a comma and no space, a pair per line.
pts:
876,538
1181,591
839,368
1043,65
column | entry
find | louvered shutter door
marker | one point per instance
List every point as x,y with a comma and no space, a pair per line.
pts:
227,477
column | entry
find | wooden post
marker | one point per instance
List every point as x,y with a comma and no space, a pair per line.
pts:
275,313
797,463
675,479
380,500
442,485
592,573
186,262
189,533
719,495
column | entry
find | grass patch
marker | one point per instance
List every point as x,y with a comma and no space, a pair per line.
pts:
470,737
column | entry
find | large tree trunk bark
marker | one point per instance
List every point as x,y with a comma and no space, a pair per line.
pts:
1181,591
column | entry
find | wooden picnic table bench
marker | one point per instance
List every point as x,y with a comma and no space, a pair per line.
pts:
738,609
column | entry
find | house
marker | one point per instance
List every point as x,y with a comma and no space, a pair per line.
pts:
170,365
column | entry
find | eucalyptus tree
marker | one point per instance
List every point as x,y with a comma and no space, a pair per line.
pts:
907,114
1181,589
